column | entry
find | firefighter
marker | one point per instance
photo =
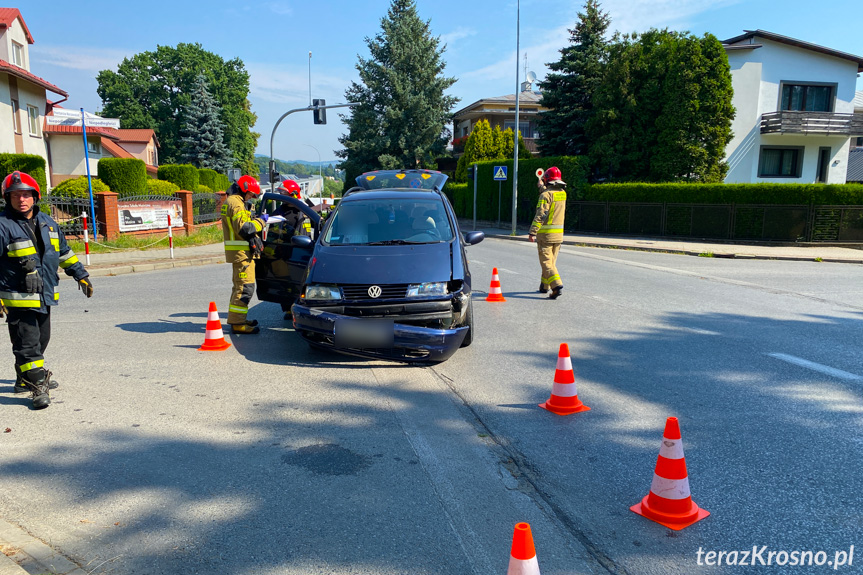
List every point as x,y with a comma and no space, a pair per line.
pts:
295,221
243,245
32,247
547,229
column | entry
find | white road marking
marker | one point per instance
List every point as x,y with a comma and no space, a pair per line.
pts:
476,262
825,369
508,271
701,331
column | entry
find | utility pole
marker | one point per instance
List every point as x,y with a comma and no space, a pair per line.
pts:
517,89
310,77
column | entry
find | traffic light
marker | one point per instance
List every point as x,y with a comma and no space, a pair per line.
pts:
320,114
470,172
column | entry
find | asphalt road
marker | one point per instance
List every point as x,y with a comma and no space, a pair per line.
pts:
274,458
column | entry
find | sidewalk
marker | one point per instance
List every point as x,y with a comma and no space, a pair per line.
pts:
132,261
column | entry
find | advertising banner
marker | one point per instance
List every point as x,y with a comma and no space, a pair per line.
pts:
149,215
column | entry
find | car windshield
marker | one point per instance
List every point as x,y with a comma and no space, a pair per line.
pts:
389,221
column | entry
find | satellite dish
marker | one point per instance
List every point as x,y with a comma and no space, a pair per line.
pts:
531,77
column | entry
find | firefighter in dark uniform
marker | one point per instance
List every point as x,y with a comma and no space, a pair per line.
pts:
32,248
295,220
243,245
547,229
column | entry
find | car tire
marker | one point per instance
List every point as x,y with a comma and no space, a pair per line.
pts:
468,322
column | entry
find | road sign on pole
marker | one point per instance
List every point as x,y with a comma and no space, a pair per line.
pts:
500,173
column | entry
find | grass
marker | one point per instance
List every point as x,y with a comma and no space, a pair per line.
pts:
705,255
201,237
818,260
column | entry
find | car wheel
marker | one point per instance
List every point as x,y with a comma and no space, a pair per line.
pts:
468,322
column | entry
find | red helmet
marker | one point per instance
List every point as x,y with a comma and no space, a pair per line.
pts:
21,181
552,174
290,188
249,184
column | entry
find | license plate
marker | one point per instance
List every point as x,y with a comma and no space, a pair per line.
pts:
363,333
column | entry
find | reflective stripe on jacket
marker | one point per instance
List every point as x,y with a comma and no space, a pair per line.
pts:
547,224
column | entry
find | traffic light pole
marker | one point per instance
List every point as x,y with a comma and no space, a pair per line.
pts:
312,108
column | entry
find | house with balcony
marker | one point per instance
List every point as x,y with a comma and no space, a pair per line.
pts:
500,111
23,95
795,110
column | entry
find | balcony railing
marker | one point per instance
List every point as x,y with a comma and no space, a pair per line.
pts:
825,123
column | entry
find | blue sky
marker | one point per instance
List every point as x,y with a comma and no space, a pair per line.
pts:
74,40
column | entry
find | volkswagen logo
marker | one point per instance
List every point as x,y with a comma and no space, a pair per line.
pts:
375,292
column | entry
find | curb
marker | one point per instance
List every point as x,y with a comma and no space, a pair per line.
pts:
126,268
29,555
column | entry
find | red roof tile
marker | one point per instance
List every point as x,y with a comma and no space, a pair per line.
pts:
8,15
25,75
136,136
105,132
115,150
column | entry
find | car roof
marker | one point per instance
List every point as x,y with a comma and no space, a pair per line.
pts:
390,194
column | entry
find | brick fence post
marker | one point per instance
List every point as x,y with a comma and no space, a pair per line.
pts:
107,215
188,210
223,197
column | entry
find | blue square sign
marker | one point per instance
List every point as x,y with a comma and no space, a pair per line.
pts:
499,173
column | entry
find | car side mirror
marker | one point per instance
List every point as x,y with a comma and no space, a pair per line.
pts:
473,238
301,241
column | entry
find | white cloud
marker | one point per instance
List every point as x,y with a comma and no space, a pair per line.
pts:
79,57
281,85
460,33
280,8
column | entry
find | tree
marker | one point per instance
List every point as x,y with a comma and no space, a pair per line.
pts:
483,144
401,118
202,139
150,89
568,90
663,109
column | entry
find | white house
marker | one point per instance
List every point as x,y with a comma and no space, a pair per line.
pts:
23,95
795,112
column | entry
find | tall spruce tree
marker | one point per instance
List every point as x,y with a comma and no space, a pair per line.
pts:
568,90
202,134
403,112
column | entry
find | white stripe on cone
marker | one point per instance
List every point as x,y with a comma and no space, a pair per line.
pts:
523,566
214,334
671,448
564,363
213,316
564,389
670,488
495,290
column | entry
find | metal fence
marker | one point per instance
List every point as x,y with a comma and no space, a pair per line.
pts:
779,223
204,207
66,212
148,198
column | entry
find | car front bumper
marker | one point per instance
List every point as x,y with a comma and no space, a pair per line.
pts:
410,343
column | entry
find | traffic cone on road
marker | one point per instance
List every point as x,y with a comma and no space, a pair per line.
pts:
669,502
522,558
214,340
564,395
494,293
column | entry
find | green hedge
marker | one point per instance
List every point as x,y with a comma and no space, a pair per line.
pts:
183,175
161,188
202,189
78,188
28,163
213,180
124,176
788,194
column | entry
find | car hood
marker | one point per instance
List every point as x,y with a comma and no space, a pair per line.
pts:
382,264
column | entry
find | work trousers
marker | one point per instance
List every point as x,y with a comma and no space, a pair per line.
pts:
30,332
244,288
548,262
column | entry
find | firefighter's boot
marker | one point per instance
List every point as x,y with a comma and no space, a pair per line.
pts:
37,383
241,328
21,387
556,292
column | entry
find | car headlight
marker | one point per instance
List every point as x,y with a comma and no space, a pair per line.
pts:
418,290
315,292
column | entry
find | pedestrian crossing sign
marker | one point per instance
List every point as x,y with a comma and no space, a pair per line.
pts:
499,173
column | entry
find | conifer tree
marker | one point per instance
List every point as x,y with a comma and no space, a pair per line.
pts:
202,134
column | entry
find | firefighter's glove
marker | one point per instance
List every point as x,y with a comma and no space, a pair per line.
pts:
85,286
33,282
257,246
264,217
3,310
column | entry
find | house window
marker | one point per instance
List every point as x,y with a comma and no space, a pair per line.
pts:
94,148
523,127
860,142
18,54
780,162
33,113
16,122
805,98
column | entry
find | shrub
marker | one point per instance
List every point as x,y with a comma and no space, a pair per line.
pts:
213,179
202,189
161,188
675,193
78,188
183,175
125,176
29,163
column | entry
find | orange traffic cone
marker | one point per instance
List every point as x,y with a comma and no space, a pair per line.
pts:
669,502
494,293
522,558
214,340
564,395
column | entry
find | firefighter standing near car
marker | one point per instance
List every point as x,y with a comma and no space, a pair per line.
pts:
547,229
32,247
243,245
295,220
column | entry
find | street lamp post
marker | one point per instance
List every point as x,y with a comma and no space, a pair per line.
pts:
321,191
517,88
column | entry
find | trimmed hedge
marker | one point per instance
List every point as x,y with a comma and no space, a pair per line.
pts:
787,194
202,189
161,188
78,188
28,163
213,179
125,176
183,175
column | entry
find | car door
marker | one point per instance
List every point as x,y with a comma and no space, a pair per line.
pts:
280,271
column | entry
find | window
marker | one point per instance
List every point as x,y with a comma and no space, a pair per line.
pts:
780,162
800,97
94,148
523,127
33,113
16,121
18,54
860,142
